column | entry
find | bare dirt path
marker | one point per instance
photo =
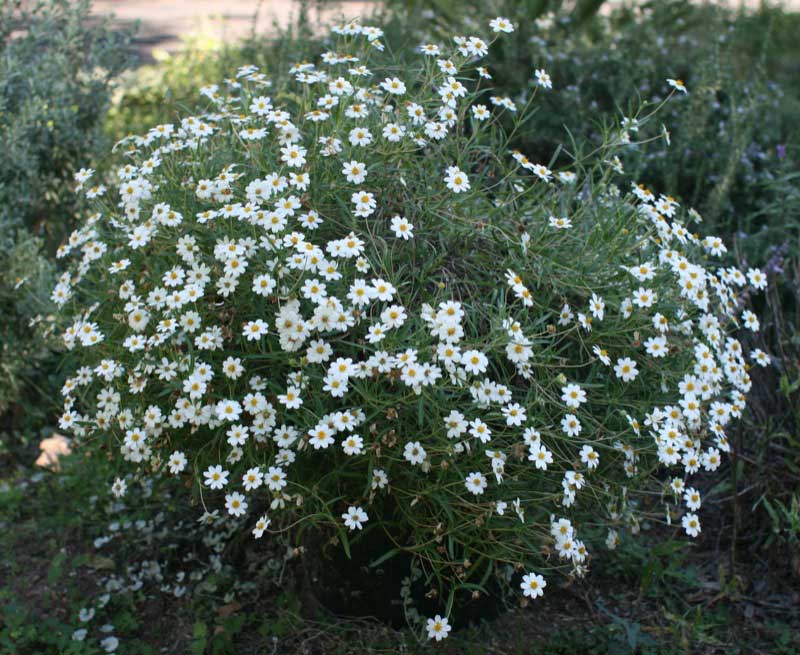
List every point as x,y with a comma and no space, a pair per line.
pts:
163,22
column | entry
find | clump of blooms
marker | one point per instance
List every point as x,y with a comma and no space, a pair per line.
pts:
350,302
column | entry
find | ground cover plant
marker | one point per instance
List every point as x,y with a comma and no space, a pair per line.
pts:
346,308
65,540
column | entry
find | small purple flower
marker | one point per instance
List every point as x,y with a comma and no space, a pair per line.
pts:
780,150
776,261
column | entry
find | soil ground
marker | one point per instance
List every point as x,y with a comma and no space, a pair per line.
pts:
162,23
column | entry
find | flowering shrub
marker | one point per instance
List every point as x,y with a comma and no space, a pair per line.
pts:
728,135
348,304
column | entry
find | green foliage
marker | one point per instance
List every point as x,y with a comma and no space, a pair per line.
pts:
56,71
25,287
785,521
153,93
238,209
160,92
447,14
770,445
735,145
45,516
724,134
22,632
26,364
724,158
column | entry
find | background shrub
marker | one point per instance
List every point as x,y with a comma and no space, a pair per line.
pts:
57,67
56,71
25,306
158,93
